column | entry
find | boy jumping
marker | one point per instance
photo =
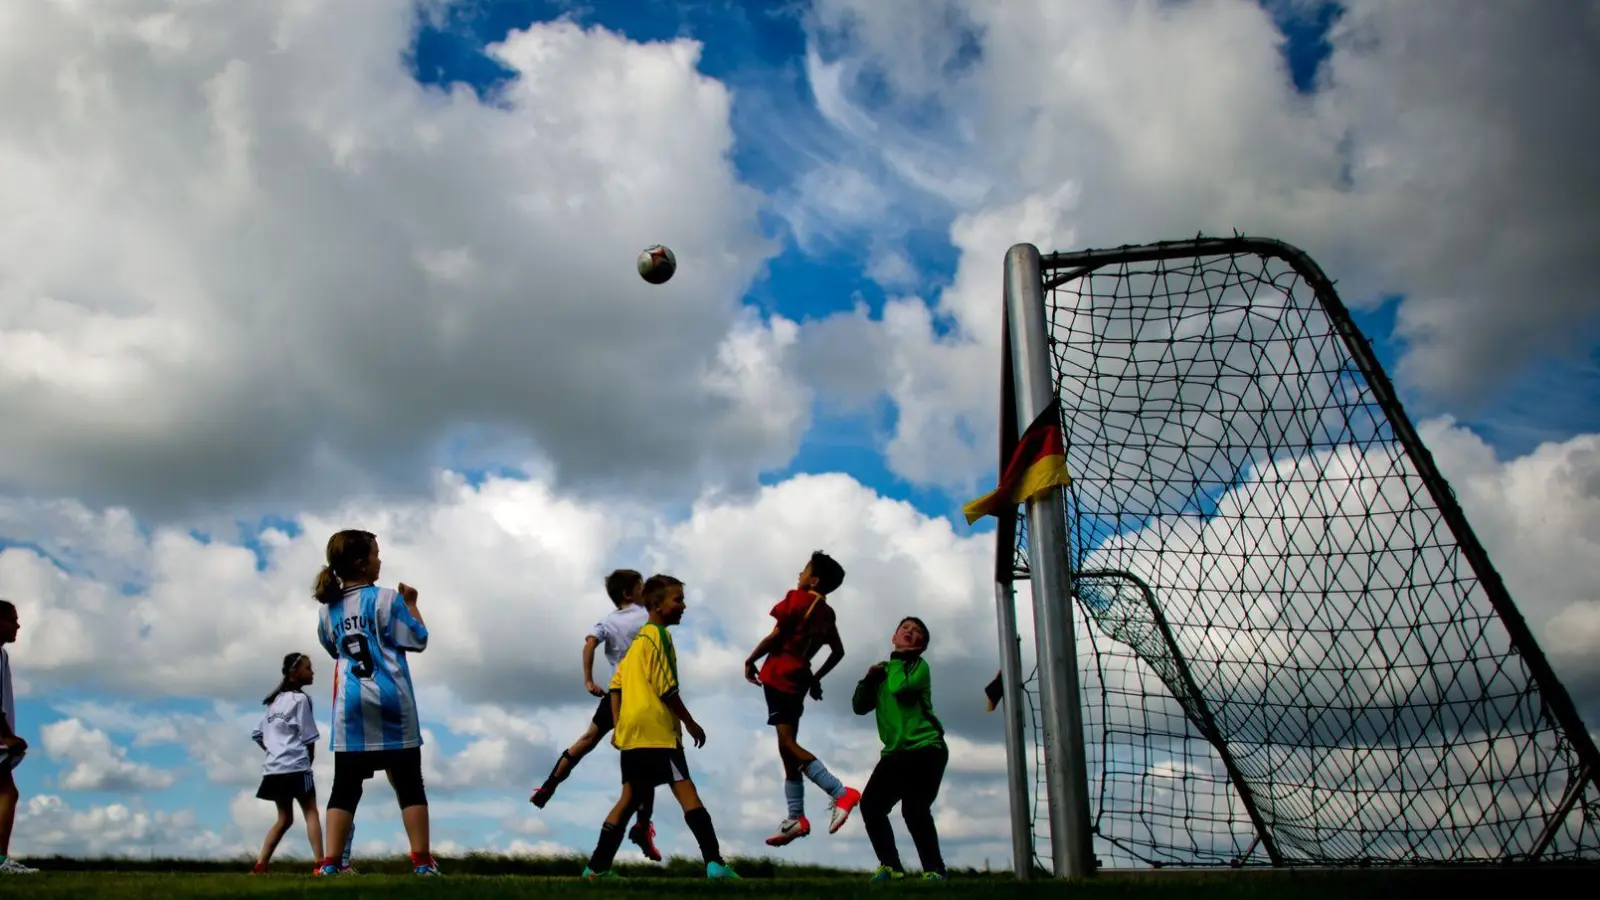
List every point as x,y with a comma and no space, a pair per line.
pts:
12,747
617,630
651,719
805,623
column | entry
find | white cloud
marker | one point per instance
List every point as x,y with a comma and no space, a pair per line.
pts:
1436,159
48,825
94,763
249,257
510,574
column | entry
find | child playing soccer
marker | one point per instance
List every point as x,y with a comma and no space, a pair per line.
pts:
617,630
12,747
288,734
805,622
369,630
650,721
911,767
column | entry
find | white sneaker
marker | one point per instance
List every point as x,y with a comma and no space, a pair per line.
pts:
790,830
12,867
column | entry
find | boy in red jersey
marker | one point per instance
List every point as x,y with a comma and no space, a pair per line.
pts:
805,623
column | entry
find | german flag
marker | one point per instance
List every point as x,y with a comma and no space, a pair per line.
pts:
1038,464
994,692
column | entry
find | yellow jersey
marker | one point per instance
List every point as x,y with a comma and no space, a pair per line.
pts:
646,677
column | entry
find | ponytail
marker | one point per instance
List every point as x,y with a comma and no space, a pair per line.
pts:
348,552
328,587
287,683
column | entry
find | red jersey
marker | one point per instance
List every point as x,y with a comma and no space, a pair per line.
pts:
805,622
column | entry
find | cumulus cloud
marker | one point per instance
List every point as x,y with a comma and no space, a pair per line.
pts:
509,573
1434,158
250,258
93,763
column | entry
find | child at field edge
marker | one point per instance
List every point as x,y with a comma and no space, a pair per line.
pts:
805,623
369,630
12,747
288,733
911,766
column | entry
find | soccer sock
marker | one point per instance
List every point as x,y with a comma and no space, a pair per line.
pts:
795,793
822,778
606,849
700,823
349,842
555,773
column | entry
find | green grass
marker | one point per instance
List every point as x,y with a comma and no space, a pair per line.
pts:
499,877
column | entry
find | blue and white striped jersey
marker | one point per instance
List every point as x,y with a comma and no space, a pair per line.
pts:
368,632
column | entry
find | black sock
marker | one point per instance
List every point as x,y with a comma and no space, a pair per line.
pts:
700,823
555,773
605,851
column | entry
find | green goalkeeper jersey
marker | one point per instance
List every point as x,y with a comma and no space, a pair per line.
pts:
903,699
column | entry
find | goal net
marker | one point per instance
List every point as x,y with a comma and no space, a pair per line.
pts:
1291,649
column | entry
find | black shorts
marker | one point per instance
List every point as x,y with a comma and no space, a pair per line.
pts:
10,759
287,787
783,708
602,715
352,769
646,768
402,765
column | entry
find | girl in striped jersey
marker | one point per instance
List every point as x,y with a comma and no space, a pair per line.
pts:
369,631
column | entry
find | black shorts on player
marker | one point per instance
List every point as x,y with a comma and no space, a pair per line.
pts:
352,769
602,716
646,768
287,787
783,708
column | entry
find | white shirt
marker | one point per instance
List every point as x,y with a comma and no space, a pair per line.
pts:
8,703
284,732
618,630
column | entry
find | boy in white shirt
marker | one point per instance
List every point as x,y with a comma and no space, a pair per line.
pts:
12,747
616,631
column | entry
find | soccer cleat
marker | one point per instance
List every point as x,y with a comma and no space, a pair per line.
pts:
591,875
326,871
841,807
884,873
12,867
424,864
790,830
542,795
258,869
934,876
720,870
644,834
348,870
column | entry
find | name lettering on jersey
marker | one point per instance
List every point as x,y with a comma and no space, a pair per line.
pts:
357,623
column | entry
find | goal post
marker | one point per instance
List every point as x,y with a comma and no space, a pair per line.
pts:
1264,631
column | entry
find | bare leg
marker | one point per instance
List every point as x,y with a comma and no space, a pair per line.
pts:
276,832
338,826
308,808
8,811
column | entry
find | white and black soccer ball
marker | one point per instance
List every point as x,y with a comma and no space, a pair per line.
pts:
656,264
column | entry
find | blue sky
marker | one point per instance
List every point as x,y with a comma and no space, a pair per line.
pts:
758,49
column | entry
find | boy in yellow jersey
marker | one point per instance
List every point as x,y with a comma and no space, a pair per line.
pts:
650,720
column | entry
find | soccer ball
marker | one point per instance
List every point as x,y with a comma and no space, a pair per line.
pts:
656,264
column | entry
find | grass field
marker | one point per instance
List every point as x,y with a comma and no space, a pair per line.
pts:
491,877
